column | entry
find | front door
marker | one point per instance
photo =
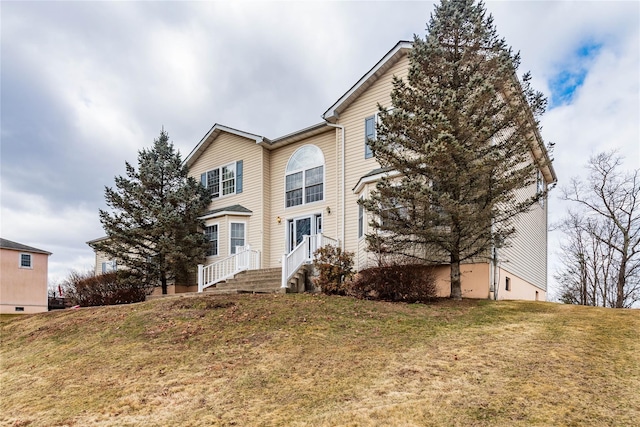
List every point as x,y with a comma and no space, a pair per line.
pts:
300,227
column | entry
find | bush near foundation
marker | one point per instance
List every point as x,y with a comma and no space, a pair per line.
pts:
87,289
335,268
401,282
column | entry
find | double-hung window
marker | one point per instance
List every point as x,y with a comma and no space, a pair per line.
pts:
304,180
224,180
109,266
237,235
211,234
369,134
26,261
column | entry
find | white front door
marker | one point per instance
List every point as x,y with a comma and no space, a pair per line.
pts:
297,228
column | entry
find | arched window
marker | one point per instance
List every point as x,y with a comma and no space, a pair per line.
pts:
304,181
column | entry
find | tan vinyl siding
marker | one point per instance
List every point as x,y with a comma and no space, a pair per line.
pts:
353,119
268,221
227,148
100,258
527,255
279,159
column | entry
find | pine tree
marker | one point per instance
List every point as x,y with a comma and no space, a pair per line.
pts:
153,228
457,143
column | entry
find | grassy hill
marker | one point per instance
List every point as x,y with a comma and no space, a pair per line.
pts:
307,360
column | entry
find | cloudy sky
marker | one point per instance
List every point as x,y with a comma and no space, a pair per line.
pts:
85,85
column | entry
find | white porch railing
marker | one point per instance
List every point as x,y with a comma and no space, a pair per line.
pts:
303,254
244,259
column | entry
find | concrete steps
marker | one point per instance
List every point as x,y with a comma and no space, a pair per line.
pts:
252,281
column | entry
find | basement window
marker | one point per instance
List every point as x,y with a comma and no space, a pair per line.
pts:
507,284
19,308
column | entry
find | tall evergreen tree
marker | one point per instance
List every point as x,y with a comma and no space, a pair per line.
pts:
153,227
460,137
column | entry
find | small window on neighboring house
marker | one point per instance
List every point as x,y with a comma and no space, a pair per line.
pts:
360,220
211,233
237,235
223,181
109,266
19,308
26,261
369,134
507,284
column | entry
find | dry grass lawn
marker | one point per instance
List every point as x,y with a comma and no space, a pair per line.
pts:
304,360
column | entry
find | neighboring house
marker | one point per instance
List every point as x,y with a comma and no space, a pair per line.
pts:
105,264
271,193
23,278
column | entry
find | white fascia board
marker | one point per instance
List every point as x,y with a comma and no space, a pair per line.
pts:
219,128
372,178
331,113
225,213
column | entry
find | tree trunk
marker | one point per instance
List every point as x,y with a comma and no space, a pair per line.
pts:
456,288
163,281
621,282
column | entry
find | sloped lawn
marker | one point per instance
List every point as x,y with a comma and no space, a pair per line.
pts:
305,360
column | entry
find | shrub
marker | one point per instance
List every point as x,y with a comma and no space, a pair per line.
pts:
335,268
400,282
88,289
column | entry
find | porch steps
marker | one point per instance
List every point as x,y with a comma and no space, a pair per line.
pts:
267,280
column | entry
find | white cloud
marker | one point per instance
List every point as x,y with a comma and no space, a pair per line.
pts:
31,219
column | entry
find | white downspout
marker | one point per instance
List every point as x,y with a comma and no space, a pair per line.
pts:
342,147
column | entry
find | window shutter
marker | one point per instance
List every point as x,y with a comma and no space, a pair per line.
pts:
239,176
369,133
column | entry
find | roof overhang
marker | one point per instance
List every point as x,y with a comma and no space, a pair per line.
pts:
299,135
390,59
373,176
236,210
213,133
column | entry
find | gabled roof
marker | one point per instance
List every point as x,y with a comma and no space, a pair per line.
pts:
14,246
389,60
227,210
300,135
213,133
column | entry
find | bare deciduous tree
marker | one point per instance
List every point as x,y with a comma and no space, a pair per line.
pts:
601,255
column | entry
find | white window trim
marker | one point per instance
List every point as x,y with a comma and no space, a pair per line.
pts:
30,266
222,180
109,266
314,224
376,120
221,186
245,234
216,224
304,194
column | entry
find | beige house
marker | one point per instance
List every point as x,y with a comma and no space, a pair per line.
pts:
23,278
274,200
270,193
